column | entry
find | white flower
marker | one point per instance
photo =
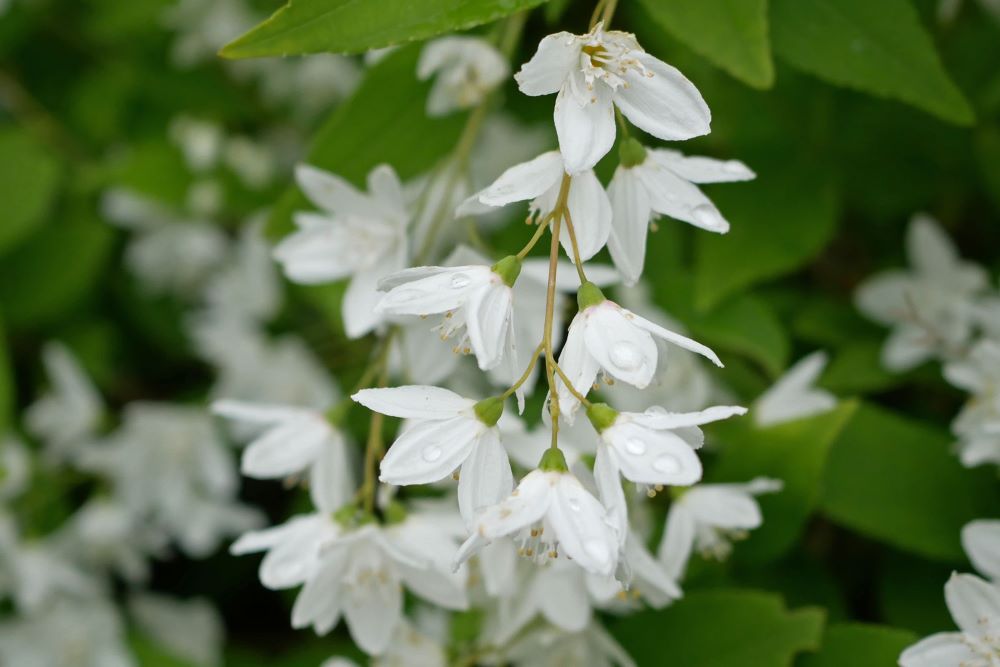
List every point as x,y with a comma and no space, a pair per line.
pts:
68,415
707,517
641,576
247,287
591,646
931,307
359,572
291,440
794,395
977,426
357,235
975,606
467,69
981,541
540,181
653,182
605,336
447,432
478,298
16,466
200,141
188,629
595,72
552,514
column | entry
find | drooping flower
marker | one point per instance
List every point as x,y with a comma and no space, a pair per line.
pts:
591,646
550,513
447,432
478,299
357,235
603,69
975,606
977,426
981,542
540,181
794,395
707,517
640,577
653,182
931,308
467,69
68,415
603,336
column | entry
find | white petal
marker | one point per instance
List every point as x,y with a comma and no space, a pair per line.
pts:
438,293
486,477
702,169
590,211
414,402
945,649
331,482
521,182
609,489
373,614
630,223
318,602
656,419
579,521
488,324
331,192
285,449
724,507
625,351
981,541
678,541
673,196
585,123
429,451
652,457
676,339
666,104
793,396
436,587
577,363
254,413
528,503
563,601
387,191
649,576
973,603
556,57
362,296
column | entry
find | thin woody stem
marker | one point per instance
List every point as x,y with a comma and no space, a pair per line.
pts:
569,386
550,304
527,371
609,12
576,248
534,239
596,14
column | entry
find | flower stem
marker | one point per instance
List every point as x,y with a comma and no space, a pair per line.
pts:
576,249
527,371
609,12
550,304
572,390
542,225
374,446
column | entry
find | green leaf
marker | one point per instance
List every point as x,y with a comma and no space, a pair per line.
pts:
6,385
877,47
53,269
860,645
721,628
29,177
384,121
911,594
856,368
779,222
794,452
897,480
730,33
356,26
149,654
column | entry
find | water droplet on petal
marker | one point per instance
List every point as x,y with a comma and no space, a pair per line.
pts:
666,464
431,453
656,411
635,446
626,356
706,216
574,504
460,280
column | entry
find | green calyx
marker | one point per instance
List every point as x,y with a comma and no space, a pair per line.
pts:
352,516
508,268
631,153
601,415
553,461
395,513
589,295
489,410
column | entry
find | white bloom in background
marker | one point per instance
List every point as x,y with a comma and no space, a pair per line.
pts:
203,27
981,541
551,513
68,415
408,648
977,426
15,468
356,235
254,163
603,336
591,646
310,86
467,69
526,447
188,629
540,182
930,307
479,299
641,577
247,287
68,634
653,182
707,517
359,573
170,254
975,606
200,140
794,395
289,441
447,432
596,72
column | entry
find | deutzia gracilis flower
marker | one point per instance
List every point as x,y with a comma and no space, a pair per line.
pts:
605,336
707,517
652,182
70,412
447,432
467,69
978,424
290,440
357,235
551,511
981,541
931,306
975,606
478,298
66,634
595,72
589,647
539,181
794,395
640,576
